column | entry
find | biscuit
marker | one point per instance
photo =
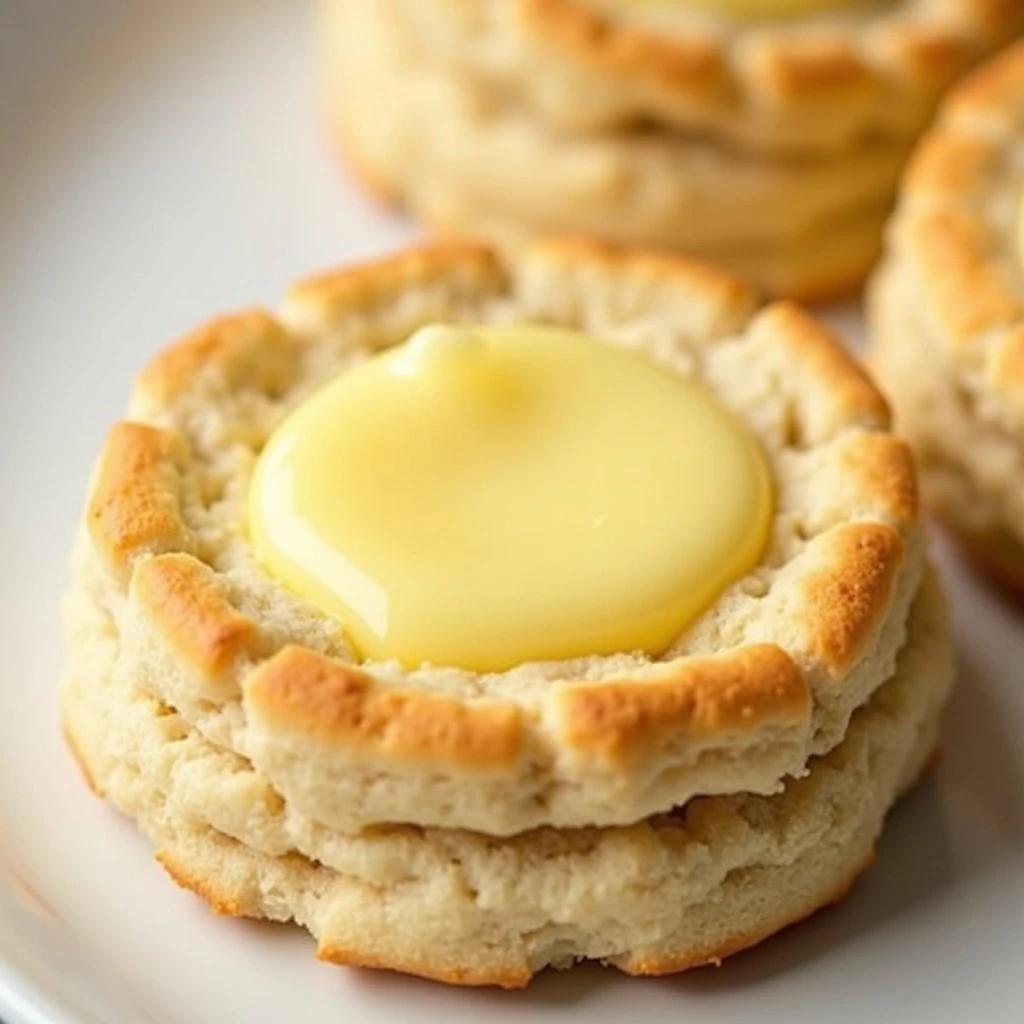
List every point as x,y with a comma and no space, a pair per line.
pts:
767,678
817,82
825,264
676,891
773,149
947,315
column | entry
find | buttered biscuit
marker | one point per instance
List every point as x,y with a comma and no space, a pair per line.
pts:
766,676
564,605
766,137
674,892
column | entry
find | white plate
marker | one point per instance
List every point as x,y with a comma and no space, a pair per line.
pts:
164,161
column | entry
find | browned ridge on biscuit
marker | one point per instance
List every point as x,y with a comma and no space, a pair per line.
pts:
767,678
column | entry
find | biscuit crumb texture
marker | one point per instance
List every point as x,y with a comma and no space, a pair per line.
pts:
773,148
765,679
676,891
947,315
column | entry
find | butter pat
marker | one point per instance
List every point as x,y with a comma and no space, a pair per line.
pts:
486,496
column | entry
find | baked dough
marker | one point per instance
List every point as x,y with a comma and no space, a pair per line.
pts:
816,82
772,148
674,892
947,315
767,678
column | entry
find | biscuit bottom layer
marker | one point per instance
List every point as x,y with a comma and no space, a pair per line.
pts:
673,892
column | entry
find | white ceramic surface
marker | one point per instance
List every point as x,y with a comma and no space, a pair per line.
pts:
163,160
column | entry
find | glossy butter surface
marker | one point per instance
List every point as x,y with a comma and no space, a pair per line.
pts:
485,497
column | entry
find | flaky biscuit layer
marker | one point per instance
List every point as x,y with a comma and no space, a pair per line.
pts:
947,311
670,893
422,133
821,82
767,678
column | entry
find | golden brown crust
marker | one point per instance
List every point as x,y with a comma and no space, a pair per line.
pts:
829,376
372,723
852,591
249,348
467,977
134,505
179,595
220,903
341,705
929,56
687,65
820,68
954,233
682,889
777,71
619,720
465,268
948,162
883,467
995,89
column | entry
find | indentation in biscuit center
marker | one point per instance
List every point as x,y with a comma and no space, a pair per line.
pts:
483,497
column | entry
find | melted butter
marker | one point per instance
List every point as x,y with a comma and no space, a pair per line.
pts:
759,9
485,497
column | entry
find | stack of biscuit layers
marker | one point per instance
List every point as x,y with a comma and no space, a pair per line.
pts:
772,146
947,319
652,813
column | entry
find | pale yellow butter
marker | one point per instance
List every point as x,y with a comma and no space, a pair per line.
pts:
485,497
